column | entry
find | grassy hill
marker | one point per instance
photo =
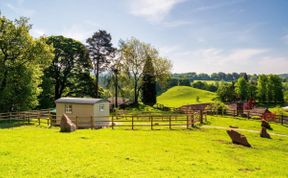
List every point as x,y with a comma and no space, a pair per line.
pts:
181,95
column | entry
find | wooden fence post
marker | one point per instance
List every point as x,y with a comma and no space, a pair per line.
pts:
39,119
51,120
170,122
282,119
192,120
9,117
132,122
151,118
201,116
28,118
112,122
187,121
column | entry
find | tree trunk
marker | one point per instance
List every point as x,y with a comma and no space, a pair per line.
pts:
97,79
57,90
135,93
116,90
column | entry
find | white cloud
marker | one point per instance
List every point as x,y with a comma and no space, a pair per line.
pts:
210,60
275,65
152,10
37,32
77,31
20,10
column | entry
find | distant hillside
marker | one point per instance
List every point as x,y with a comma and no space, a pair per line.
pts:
283,75
180,95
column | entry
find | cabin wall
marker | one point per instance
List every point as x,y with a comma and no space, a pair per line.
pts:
83,112
88,115
102,115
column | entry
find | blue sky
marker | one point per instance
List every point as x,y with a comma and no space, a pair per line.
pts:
196,35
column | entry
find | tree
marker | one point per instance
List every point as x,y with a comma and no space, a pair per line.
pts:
22,61
101,53
133,56
226,92
148,83
242,89
68,74
275,89
270,89
262,88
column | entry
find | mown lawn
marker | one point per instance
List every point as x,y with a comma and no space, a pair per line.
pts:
244,123
31,151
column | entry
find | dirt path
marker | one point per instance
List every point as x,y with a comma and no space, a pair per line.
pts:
244,130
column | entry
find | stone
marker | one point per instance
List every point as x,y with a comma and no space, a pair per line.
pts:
264,133
66,124
265,124
238,138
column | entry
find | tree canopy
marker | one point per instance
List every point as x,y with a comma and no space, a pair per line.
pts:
22,61
68,74
101,53
133,57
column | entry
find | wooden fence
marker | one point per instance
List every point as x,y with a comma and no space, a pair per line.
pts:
131,121
134,121
248,114
156,121
27,117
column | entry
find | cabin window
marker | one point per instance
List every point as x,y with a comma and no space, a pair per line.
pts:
68,108
101,107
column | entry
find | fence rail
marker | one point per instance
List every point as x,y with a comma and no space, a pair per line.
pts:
283,119
144,119
133,121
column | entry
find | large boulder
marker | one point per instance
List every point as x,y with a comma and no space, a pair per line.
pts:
264,133
66,124
265,124
238,138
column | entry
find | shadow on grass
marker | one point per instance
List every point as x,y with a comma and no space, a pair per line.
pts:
11,124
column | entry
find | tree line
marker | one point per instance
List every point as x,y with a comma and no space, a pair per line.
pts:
35,72
220,76
264,89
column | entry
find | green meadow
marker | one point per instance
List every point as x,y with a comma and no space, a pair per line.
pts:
31,151
182,95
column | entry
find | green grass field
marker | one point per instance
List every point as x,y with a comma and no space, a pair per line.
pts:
182,95
31,151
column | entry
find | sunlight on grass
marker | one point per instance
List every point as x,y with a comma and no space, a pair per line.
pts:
30,151
182,95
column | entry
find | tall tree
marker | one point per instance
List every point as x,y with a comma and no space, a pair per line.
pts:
101,52
270,89
22,61
262,88
68,74
225,92
134,54
148,83
275,89
242,89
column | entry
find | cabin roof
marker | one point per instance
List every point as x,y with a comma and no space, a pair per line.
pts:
75,100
